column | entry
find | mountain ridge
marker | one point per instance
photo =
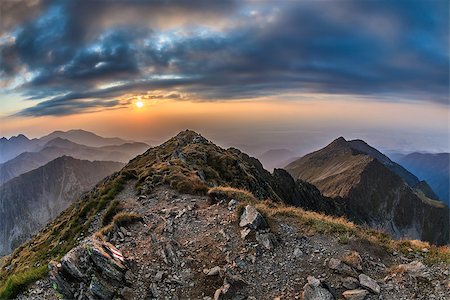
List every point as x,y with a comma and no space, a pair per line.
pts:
374,193
181,217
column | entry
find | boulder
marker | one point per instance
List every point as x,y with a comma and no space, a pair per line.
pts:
314,290
252,219
359,294
95,264
367,282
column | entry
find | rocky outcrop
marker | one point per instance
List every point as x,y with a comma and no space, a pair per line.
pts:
95,269
29,201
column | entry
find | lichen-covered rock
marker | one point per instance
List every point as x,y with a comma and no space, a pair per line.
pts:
95,264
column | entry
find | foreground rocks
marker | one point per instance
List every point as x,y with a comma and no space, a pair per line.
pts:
93,270
187,248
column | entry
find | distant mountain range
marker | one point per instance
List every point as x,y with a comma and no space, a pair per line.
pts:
10,148
30,200
58,147
375,190
84,138
432,167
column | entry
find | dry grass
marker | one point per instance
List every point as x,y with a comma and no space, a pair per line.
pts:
227,193
121,219
343,230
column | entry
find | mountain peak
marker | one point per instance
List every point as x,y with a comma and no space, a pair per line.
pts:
339,142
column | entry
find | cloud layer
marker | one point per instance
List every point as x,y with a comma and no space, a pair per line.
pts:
77,56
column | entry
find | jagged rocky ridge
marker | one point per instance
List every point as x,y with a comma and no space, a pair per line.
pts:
373,190
29,201
183,247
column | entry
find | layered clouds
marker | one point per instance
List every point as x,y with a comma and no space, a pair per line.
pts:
66,57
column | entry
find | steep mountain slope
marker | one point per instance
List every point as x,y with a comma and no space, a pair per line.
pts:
58,147
152,231
29,201
374,193
84,138
408,177
432,167
10,148
275,158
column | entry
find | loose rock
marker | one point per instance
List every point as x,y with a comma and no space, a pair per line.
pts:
355,294
369,283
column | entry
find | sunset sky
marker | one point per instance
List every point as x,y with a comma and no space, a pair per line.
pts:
253,74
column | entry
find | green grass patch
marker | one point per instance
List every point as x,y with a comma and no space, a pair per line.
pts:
18,282
110,212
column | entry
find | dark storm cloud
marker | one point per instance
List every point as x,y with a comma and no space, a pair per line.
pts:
395,49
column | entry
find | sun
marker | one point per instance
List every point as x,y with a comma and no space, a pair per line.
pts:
139,104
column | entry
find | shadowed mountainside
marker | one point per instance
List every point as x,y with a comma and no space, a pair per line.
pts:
29,201
374,192
432,167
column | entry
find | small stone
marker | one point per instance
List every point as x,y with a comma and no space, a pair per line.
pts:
425,250
298,252
245,233
268,240
129,277
355,294
350,283
214,271
159,276
369,283
232,203
123,230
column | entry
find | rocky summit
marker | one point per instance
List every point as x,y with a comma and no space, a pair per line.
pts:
373,190
190,220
